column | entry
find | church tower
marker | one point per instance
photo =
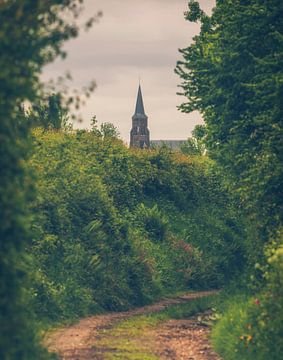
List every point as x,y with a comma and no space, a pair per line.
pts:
139,132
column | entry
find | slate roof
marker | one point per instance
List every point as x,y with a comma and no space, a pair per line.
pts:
139,104
172,144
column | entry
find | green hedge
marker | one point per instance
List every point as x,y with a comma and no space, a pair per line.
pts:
115,227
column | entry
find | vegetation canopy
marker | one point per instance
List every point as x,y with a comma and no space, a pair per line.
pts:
32,33
232,74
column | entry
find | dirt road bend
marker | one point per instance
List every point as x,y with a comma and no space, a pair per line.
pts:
89,339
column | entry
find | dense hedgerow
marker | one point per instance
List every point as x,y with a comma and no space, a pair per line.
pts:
115,227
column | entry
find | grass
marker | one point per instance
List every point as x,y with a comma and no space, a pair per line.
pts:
133,338
226,334
250,328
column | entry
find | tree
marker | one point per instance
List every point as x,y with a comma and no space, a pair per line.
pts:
232,74
108,130
50,113
32,33
195,144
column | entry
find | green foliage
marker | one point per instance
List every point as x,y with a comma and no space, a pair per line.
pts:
199,132
31,34
49,113
232,74
191,147
154,222
231,336
115,227
251,327
82,244
195,144
106,130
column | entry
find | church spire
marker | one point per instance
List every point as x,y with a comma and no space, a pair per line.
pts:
139,132
139,104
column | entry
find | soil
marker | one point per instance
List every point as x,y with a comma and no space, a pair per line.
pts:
185,339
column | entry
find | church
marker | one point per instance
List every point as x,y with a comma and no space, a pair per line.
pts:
140,135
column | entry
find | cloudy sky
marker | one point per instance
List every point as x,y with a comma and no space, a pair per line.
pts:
133,39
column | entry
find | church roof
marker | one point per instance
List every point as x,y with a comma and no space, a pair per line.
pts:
171,144
139,104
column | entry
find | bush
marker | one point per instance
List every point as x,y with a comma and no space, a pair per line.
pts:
153,221
116,227
252,327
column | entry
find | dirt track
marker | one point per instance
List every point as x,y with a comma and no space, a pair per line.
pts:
174,339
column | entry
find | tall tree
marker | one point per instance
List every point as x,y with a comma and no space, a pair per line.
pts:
31,34
232,74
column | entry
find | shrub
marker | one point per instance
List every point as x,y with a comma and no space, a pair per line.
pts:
116,227
154,222
252,327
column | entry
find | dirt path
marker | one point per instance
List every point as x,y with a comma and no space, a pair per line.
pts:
184,340
174,339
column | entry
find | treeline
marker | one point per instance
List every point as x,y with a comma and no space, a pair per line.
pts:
115,227
232,74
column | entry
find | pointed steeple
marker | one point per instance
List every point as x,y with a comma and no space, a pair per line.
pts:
139,104
139,133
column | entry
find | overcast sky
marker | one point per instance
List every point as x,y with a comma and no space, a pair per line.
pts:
133,38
